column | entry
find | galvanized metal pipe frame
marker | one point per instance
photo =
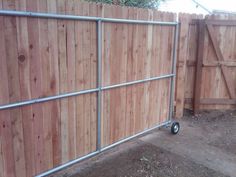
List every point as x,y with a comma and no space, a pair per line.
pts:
99,88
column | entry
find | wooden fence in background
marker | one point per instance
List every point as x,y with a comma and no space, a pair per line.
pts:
46,57
206,72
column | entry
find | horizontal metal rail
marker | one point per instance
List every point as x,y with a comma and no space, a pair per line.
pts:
65,95
137,82
97,152
50,98
82,18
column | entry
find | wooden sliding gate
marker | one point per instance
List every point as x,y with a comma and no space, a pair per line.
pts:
75,85
215,79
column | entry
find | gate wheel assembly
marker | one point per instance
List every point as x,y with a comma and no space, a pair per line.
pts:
175,128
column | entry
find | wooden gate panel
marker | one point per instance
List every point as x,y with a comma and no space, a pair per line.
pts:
218,83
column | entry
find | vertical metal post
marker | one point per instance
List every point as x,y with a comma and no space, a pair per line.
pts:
172,85
99,82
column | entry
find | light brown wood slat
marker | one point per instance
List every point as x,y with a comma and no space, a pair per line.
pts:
24,78
220,57
25,90
198,77
148,57
36,87
14,90
154,106
1,159
79,83
182,57
219,63
139,69
106,42
120,62
165,63
192,52
46,79
63,71
115,66
132,75
94,10
145,69
70,44
54,84
218,101
129,69
7,151
221,22
86,38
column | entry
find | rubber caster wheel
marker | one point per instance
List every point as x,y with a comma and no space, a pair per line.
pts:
175,128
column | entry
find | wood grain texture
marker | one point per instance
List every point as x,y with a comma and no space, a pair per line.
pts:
215,77
186,52
215,73
49,57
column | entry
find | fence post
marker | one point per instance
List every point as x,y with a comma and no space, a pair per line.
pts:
198,77
99,81
172,85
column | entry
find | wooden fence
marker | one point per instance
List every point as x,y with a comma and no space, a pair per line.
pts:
46,57
206,73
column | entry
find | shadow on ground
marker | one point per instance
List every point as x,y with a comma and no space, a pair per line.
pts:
205,147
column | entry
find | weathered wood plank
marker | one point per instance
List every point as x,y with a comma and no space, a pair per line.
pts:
79,83
218,101
198,77
7,151
54,84
36,86
221,22
63,70
70,43
220,57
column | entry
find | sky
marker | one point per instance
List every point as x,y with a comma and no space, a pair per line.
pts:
189,6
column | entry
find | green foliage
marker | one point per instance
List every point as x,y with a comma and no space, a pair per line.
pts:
133,3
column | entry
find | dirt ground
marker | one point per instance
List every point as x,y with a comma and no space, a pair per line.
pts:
205,147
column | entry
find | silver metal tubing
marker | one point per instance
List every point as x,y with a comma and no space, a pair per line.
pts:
67,164
50,98
134,136
99,84
46,15
137,82
113,20
172,85
85,18
65,95
97,152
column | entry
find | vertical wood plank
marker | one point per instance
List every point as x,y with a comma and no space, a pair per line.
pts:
7,151
36,85
94,10
24,77
148,67
181,71
54,83
63,71
71,80
85,57
79,81
10,25
129,117
106,42
198,78
45,70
